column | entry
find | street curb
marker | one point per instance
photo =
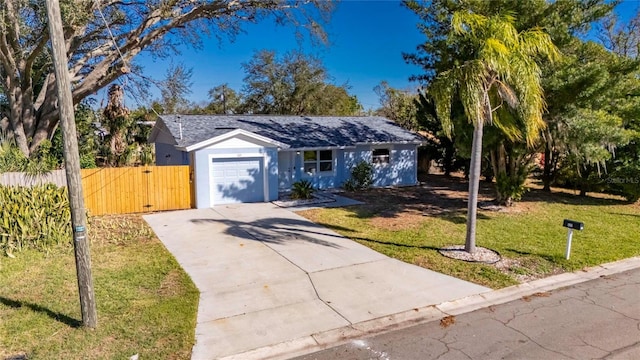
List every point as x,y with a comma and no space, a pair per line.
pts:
326,339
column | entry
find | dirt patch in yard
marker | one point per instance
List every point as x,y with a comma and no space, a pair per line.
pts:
405,207
120,229
438,195
402,220
171,284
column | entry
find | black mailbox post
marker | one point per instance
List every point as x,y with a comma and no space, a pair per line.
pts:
571,225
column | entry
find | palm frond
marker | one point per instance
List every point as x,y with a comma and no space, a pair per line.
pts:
507,94
505,68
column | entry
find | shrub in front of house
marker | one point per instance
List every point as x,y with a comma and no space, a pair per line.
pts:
302,189
33,217
361,177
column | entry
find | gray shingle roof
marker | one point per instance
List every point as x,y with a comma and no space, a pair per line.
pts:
294,131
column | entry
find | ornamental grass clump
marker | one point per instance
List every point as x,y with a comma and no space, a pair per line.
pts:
36,217
302,189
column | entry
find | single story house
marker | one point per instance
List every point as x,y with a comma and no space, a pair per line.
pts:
251,158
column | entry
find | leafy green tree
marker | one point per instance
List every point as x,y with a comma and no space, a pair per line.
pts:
563,20
591,137
90,136
335,100
296,84
623,38
223,100
502,66
589,104
104,37
398,105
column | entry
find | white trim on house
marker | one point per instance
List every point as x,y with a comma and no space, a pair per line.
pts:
236,155
230,134
265,176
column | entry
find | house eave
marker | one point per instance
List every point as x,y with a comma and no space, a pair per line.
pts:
392,143
308,148
230,135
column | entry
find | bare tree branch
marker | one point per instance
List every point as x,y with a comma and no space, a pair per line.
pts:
99,51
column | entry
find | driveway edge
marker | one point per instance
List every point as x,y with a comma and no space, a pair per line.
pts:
320,341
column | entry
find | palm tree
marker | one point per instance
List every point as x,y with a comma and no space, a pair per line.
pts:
501,69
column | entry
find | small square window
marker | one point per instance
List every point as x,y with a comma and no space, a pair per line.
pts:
310,156
380,156
326,165
326,155
310,168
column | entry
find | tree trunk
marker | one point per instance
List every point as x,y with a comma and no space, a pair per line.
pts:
584,180
474,183
546,171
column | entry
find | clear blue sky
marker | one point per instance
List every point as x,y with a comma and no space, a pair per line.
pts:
367,40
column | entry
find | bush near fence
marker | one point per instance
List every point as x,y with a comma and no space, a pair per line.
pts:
35,217
123,190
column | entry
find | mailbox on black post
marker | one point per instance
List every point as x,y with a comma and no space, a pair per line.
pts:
571,225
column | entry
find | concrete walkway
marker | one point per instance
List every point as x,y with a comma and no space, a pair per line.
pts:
274,283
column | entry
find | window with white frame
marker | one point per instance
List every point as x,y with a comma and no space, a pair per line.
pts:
316,161
380,156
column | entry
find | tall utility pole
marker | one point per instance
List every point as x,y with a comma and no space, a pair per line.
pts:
224,100
72,167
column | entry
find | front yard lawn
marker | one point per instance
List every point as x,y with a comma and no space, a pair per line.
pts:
411,224
146,303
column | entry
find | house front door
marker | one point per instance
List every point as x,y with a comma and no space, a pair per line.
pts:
285,169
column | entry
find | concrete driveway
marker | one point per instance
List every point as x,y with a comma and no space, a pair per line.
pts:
273,283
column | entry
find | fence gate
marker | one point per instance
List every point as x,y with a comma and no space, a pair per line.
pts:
136,189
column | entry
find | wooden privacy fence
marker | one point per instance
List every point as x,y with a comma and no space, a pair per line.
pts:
123,190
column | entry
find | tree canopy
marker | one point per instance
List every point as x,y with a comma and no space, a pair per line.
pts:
398,105
590,134
104,37
294,84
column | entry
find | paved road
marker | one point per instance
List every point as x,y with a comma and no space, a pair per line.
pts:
598,319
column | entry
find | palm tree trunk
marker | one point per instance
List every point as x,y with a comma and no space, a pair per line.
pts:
474,182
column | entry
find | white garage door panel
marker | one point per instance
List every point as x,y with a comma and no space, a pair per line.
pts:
236,181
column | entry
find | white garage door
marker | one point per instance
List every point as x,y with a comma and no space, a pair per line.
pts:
237,180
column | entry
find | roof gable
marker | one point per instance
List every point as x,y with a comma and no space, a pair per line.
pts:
288,131
254,138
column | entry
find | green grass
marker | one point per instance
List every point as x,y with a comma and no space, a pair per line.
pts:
146,303
531,235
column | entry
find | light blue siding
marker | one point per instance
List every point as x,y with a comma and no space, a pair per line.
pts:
404,160
324,180
402,169
272,168
167,154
